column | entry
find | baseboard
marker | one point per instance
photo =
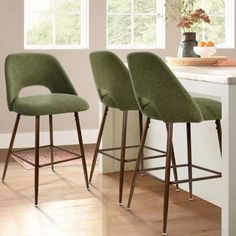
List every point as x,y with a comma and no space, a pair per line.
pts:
68,137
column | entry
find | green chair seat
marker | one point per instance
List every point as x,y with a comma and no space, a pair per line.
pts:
211,109
54,103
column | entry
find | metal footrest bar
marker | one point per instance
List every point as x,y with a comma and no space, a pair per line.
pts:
117,148
196,179
108,155
103,152
147,158
15,153
163,167
205,169
216,173
31,148
154,149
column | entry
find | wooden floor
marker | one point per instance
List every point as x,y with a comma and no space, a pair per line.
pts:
67,208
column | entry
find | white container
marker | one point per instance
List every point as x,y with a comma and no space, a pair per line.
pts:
205,51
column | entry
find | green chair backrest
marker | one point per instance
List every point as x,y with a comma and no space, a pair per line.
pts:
112,81
156,86
31,69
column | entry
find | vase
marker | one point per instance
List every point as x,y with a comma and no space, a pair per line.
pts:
187,44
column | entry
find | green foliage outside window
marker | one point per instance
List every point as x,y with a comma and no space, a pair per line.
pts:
58,25
132,22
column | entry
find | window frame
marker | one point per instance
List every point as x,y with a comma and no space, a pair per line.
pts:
84,16
229,16
161,27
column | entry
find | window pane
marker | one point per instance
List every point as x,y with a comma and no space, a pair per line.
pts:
145,30
144,6
68,29
212,7
119,6
67,5
39,29
119,30
215,31
215,7
36,5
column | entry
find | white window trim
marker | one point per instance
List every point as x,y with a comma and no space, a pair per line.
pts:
160,44
84,15
229,24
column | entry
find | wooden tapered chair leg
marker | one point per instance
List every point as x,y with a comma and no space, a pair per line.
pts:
189,148
36,168
174,168
219,134
167,177
122,155
140,137
10,146
174,164
81,148
139,159
98,143
51,141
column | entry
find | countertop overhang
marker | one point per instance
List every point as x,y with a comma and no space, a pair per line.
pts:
212,74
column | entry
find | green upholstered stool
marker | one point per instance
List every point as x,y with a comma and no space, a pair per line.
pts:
30,69
115,90
162,97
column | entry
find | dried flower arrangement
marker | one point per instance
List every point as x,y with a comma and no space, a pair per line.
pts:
183,12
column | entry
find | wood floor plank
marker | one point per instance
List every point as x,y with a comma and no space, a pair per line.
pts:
67,208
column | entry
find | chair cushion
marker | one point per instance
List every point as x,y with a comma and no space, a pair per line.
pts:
48,104
211,109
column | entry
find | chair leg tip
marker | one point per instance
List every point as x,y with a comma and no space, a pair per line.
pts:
191,199
177,190
120,204
128,208
88,189
164,234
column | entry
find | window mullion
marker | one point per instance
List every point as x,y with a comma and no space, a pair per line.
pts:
53,24
132,22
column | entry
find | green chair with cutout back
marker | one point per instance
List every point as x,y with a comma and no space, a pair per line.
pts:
30,69
115,91
162,97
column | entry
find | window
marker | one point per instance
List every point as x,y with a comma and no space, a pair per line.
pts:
135,24
221,28
55,24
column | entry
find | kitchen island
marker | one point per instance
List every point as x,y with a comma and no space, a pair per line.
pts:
218,83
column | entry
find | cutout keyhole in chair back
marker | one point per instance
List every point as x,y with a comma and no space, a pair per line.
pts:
32,90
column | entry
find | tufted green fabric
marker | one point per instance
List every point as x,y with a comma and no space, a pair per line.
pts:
161,96
29,69
112,81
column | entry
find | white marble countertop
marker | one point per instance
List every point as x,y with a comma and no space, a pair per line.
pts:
213,74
